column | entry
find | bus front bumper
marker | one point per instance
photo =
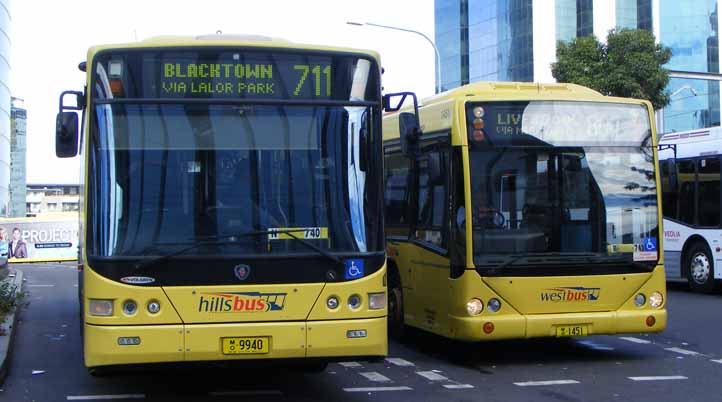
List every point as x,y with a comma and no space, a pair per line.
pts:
546,325
141,344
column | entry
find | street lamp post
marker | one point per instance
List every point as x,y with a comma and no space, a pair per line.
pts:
436,50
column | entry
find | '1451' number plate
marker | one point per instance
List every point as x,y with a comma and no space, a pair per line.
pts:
572,330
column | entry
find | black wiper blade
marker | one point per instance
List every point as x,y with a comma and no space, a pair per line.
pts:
513,259
312,246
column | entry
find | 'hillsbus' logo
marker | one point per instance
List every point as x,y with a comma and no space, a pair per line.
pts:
241,302
570,294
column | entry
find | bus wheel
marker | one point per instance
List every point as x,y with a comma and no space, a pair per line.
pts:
396,313
700,268
98,372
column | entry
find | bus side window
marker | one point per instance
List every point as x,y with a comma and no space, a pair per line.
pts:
668,171
708,188
397,167
431,201
685,203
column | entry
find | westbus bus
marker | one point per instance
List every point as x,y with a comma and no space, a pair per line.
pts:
233,201
690,171
520,210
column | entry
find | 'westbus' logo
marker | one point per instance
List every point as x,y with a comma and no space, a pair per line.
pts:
570,294
241,302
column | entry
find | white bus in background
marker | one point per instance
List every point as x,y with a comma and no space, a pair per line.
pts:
690,172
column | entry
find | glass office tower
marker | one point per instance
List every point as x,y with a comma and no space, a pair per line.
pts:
690,29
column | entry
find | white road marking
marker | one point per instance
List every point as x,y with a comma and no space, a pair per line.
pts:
377,389
399,361
246,393
682,351
40,286
350,364
595,346
431,376
716,361
458,386
103,397
543,383
658,378
635,340
376,377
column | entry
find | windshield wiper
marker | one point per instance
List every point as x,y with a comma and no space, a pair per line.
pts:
494,270
217,240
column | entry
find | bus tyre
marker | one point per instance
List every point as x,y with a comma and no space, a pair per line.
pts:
700,268
396,325
98,372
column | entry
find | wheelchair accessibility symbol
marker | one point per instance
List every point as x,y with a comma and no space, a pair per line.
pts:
354,269
650,244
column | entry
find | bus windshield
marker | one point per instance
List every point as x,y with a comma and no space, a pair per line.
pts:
167,171
562,179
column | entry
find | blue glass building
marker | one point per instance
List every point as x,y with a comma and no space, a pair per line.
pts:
514,40
690,29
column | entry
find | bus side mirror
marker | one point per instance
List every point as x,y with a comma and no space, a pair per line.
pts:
409,126
66,125
66,135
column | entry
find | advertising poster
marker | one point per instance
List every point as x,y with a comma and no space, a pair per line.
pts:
39,239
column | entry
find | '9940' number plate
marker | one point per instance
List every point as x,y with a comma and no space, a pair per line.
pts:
245,345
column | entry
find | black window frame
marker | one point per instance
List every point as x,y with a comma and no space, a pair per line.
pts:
667,173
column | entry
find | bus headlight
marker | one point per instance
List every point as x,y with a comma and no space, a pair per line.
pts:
656,299
153,307
639,300
332,302
474,307
100,307
130,307
377,301
493,305
354,302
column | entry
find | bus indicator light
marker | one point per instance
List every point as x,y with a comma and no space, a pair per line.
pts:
377,301
488,327
478,135
651,321
101,308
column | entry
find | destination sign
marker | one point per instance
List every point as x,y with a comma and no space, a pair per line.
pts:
558,123
230,74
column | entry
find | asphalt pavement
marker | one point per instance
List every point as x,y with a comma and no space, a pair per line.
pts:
684,363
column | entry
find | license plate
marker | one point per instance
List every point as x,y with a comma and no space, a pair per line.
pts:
246,345
572,330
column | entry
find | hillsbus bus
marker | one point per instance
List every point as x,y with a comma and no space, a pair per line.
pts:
690,170
520,210
233,201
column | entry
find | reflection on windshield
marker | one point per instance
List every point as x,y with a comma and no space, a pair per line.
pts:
563,200
164,174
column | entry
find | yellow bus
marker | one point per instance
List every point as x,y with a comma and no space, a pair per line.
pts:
232,201
521,210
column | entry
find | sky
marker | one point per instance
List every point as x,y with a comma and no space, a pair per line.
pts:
50,38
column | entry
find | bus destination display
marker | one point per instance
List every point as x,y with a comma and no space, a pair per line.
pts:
233,75
306,80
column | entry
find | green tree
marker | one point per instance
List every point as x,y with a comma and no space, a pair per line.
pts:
628,65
